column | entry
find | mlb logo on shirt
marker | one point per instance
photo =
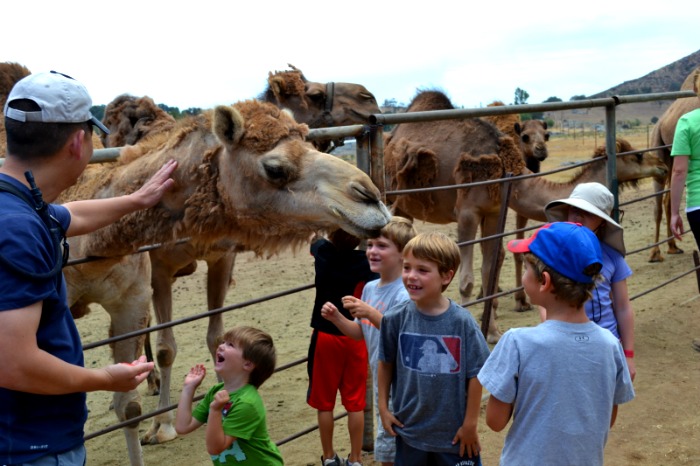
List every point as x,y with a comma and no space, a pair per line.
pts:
430,354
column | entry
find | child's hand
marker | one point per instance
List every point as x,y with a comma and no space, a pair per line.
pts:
468,442
389,421
221,398
357,307
195,376
330,312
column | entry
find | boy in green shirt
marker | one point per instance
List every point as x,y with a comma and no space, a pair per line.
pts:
232,409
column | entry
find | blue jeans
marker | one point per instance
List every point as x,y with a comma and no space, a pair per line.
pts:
406,455
75,457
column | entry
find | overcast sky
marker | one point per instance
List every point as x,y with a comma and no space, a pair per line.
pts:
204,53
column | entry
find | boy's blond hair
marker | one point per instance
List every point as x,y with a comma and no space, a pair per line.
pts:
437,248
258,348
564,289
399,231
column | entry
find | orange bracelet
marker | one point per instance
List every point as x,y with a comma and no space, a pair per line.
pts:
629,353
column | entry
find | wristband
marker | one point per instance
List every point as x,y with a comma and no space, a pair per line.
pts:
629,353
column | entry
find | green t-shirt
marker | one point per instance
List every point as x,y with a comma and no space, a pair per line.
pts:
686,141
245,420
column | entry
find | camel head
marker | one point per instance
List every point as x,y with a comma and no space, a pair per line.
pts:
633,167
533,137
130,119
246,174
275,179
320,105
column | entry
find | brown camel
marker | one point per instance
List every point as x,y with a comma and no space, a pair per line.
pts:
662,135
246,175
630,169
532,137
440,153
131,119
320,105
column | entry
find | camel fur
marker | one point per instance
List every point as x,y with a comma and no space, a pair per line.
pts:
320,105
662,135
473,150
245,175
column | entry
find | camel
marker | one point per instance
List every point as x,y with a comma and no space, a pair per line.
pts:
662,135
440,153
320,105
245,175
131,119
631,168
532,137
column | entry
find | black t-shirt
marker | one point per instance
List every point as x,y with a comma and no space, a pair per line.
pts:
338,273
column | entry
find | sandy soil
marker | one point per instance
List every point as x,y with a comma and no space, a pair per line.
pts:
661,426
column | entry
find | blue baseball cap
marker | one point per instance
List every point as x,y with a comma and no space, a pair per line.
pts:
567,248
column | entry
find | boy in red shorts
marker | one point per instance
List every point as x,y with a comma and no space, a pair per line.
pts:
337,362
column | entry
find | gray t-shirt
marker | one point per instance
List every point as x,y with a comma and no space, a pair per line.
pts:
563,380
434,357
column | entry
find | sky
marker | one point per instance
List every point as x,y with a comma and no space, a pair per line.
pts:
206,53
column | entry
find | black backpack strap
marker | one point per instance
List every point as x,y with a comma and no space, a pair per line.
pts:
57,235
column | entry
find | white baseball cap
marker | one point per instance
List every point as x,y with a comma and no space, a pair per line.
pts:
61,98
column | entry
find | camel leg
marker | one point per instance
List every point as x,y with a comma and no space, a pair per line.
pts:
127,316
655,255
162,429
219,279
521,303
491,250
467,225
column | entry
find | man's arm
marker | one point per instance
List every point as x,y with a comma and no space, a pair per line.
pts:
28,368
349,327
90,215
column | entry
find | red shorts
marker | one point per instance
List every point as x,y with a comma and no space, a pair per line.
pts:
336,363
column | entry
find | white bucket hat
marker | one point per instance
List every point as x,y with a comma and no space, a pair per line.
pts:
595,199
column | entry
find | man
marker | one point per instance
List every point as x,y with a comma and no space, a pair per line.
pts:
43,382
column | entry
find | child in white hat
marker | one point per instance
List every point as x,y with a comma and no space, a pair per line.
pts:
590,205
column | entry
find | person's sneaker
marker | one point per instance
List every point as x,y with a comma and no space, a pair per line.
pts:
335,461
696,344
352,463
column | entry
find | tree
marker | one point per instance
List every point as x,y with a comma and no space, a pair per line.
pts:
578,97
552,99
521,96
98,111
654,120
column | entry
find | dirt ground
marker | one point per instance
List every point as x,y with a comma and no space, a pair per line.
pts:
660,426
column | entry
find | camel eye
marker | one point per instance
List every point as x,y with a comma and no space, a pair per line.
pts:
279,171
525,138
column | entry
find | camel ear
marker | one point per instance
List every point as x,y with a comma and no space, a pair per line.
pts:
517,128
276,83
228,125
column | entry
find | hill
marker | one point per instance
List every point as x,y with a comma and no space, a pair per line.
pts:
666,79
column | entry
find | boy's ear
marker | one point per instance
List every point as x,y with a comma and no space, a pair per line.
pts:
248,365
447,277
546,284
75,143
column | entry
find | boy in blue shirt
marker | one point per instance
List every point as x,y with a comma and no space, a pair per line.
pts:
568,421
431,350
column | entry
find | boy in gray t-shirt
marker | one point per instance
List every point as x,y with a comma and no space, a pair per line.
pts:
560,381
430,352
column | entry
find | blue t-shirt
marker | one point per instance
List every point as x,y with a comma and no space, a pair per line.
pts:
35,425
434,357
563,380
599,308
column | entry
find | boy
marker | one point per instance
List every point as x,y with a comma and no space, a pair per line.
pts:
337,363
233,410
384,255
562,380
430,352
